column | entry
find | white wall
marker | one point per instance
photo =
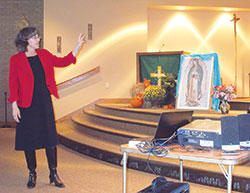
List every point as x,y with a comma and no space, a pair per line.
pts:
119,31
205,31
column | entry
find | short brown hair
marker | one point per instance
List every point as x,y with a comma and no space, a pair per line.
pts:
23,36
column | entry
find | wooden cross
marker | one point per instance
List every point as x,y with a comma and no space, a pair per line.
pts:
235,19
158,75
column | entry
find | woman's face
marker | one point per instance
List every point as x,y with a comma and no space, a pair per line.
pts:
34,42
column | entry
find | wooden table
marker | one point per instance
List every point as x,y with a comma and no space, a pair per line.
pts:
181,154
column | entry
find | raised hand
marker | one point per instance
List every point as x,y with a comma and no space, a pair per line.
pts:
82,39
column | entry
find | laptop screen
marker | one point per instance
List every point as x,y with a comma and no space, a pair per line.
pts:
170,121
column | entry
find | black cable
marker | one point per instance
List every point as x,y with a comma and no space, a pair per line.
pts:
151,147
148,164
158,148
166,140
155,148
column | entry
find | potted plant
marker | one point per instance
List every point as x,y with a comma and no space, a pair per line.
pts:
155,95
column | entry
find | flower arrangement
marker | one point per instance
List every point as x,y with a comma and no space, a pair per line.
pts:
224,93
154,92
137,90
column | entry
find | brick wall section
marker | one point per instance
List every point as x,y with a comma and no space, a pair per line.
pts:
11,11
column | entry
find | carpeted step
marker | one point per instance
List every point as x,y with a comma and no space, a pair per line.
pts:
154,114
125,124
125,110
67,130
214,115
113,135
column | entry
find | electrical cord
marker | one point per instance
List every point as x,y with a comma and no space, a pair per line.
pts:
165,140
146,146
156,147
150,168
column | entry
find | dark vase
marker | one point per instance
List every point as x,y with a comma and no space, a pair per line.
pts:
155,103
170,100
224,107
147,104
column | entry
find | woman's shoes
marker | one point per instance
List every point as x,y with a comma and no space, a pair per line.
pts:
32,180
54,178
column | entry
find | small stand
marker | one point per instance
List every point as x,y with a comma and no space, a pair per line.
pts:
5,105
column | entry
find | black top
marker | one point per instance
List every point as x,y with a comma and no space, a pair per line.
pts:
37,125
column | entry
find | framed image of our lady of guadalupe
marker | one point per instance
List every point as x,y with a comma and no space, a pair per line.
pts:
194,83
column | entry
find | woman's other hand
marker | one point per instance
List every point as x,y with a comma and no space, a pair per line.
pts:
16,112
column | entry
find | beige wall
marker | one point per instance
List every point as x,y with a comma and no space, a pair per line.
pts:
205,31
119,31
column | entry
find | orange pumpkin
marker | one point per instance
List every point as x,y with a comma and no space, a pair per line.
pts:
136,102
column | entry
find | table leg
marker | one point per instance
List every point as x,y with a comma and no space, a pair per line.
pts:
181,170
125,158
229,178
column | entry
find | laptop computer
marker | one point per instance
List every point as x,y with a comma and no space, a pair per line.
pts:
168,124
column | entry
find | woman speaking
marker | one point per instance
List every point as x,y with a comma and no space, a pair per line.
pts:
31,82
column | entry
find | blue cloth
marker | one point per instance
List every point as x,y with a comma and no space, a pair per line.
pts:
216,74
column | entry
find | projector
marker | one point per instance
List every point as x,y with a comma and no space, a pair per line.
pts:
205,133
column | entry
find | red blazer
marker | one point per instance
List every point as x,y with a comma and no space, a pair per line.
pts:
21,79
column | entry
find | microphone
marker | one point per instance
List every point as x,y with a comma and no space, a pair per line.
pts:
161,47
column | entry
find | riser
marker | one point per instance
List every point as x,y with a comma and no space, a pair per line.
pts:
129,114
243,106
105,136
120,125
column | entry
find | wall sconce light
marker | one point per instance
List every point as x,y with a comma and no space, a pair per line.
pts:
227,9
181,8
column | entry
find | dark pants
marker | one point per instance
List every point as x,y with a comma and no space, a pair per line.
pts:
51,154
